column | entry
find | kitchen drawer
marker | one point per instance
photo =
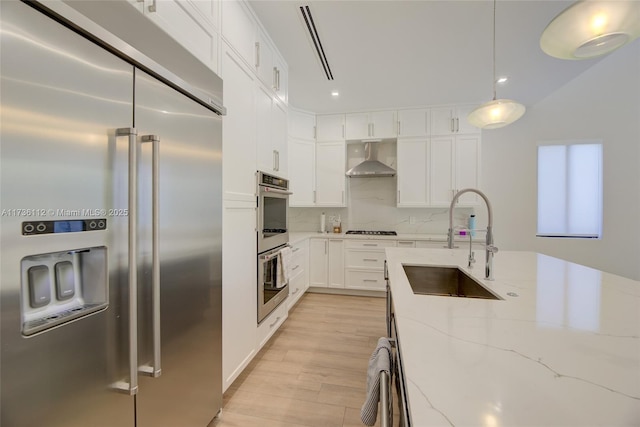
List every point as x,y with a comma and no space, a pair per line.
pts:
296,289
365,259
430,244
370,280
406,243
271,323
370,244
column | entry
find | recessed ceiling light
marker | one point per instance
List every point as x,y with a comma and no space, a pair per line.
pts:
502,79
335,93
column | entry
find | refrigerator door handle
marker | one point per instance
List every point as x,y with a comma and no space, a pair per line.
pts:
131,387
154,370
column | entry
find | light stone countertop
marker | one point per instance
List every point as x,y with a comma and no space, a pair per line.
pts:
298,236
564,352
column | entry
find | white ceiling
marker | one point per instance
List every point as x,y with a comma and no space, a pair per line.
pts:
392,54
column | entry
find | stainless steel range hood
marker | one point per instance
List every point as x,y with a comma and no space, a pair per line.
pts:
371,167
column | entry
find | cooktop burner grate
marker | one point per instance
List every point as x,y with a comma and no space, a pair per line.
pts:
373,232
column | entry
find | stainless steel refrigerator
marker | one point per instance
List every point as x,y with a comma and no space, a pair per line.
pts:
110,238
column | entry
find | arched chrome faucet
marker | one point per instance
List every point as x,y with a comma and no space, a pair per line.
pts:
490,249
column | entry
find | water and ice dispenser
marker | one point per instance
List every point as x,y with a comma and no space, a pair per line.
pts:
62,286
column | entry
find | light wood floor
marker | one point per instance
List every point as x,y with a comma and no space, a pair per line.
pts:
313,370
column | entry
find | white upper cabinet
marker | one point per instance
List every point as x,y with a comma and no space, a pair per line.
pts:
454,163
302,172
264,60
374,124
238,129
239,29
412,172
270,67
193,24
330,127
413,122
271,133
302,125
281,75
452,120
330,174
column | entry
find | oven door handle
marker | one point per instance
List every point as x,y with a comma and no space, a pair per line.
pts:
271,255
274,190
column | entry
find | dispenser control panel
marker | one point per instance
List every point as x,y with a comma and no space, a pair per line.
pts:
30,228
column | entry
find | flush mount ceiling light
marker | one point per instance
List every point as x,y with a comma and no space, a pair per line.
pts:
591,28
496,113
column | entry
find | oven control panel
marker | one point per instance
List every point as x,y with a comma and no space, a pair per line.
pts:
273,181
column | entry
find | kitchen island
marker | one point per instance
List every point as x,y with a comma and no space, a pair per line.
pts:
562,347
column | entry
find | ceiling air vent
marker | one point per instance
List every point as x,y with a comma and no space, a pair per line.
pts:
313,33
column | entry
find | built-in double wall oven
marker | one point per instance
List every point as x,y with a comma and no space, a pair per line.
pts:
273,237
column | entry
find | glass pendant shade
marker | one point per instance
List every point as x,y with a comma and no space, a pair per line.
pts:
591,28
496,114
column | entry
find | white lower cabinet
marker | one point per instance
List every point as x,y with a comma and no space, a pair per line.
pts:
271,323
299,280
430,244
336,263
318,262
364,264
239,291
326,263
406,243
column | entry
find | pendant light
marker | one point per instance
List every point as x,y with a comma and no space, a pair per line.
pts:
496,113
591,28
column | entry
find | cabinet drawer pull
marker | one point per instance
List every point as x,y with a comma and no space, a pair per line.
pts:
369,280
370,259
369,244
274,323
296,267
295,250
295,292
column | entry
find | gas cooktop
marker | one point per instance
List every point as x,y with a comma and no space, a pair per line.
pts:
373,232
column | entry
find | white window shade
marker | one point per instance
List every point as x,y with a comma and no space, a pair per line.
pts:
570,190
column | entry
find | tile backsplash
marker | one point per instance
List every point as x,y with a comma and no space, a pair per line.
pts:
372,206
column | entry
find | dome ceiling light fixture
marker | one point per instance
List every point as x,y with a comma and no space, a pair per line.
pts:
496,113
590,28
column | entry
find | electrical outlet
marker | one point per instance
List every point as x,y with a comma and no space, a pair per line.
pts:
412,220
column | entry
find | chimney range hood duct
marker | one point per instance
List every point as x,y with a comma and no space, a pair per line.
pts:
371,167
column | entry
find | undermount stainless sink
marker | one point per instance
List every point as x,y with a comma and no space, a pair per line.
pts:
445,281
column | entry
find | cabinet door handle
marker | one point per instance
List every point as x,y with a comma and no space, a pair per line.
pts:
451,124
314,196
457,124
274,160
398,196
315,132
273,83
343,130
343,197
399,132
274,323
325,246
257,54
278,80
278,160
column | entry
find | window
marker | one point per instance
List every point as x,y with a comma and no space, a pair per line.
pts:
570,189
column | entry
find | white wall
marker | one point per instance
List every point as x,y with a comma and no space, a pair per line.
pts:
602,103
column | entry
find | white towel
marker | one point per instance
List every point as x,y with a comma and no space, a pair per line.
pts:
284,266
380,361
